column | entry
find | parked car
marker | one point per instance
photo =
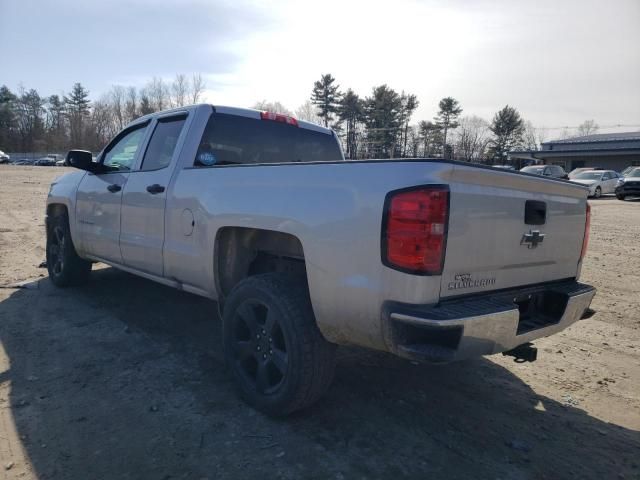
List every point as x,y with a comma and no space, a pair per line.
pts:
576,171
61,163
431,260
629,185
45,162
628,169
4,158
598,181
553,171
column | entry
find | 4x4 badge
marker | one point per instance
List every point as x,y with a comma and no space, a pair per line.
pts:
532,239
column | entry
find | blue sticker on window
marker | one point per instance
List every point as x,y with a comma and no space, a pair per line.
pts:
207,159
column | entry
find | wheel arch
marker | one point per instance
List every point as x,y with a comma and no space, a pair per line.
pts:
241,252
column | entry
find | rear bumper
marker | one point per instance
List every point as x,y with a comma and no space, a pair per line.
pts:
483,324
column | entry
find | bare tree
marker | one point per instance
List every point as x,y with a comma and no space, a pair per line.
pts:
197,87
530,138
274,107
471,139
307,111
179,89
101,124
588,127
131,106
117,102
158,94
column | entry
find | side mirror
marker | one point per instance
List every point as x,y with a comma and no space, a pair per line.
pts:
81,159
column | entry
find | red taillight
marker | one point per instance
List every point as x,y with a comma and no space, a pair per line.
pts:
278,117
415,231
587,228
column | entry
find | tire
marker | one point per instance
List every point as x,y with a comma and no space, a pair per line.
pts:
278,358
65,267
620,197
597,193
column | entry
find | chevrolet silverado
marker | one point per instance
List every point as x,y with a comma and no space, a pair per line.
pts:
431,260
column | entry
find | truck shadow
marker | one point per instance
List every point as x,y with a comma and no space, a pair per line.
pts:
124,378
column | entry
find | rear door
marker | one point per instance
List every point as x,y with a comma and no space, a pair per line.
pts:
611,181
508,230
144,197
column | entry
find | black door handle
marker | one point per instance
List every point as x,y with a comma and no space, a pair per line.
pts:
155,188
114,188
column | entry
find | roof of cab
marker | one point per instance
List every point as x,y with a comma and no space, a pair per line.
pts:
242,112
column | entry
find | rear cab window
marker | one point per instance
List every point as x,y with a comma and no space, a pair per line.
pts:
237,140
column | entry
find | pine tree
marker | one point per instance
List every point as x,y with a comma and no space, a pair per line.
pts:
383,110
507,128
7,118
30,121
351,112
326,97
447,117
77,107
430,138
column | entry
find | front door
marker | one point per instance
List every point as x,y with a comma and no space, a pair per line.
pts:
144,198
99,197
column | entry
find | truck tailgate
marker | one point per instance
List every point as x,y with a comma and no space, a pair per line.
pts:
508,230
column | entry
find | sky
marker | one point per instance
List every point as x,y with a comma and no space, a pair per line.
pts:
559,62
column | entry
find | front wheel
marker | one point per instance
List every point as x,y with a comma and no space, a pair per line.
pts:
63,263
620,197
278,358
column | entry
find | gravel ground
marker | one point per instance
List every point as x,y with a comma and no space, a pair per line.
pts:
123,378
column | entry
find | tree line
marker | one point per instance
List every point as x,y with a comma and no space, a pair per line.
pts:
379,125
30,122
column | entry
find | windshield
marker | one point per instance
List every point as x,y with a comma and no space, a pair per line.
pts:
536,170
588,176
633,173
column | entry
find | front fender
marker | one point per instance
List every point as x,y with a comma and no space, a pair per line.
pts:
63,192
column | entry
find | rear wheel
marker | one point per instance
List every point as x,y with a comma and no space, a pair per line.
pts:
63,263
620,197
598,192
279,359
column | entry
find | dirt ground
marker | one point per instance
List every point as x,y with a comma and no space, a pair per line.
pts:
123,378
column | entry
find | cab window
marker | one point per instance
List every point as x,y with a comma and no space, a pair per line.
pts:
120,155
235,140
163,143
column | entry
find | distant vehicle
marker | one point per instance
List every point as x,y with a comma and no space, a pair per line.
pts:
45,162
576,171
628,170
598,181
61,163
4,158
629,185
553,171
505,167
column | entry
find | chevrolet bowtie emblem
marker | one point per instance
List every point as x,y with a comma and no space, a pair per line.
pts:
532,239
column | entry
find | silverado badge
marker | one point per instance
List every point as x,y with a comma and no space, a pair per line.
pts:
532,239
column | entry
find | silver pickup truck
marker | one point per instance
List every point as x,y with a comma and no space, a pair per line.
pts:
434,261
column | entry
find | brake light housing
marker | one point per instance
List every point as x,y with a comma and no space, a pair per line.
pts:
414,229
587,230
279,117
